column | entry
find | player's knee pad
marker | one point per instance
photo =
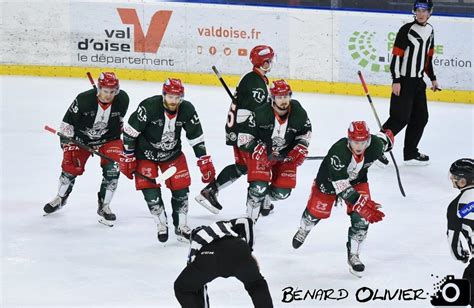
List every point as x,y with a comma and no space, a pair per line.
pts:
153,198
258,189
179,198
111,171
279,193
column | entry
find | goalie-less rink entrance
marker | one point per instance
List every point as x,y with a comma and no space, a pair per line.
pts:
70,259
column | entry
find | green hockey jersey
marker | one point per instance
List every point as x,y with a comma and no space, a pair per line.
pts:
340,169
155,134
280,135
92,123
251,93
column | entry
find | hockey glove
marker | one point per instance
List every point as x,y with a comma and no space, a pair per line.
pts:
298,154
368,209
260,154
207,169
387,136
71,161
128,164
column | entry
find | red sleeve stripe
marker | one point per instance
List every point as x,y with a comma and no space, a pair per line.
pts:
431,52
398,51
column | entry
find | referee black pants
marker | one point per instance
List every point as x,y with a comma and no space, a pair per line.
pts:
409,109
469,275
227,257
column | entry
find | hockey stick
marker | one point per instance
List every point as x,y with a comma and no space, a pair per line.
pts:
164,176
218,74
91,80
366,90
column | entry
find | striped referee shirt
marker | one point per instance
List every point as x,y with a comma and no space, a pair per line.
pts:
413,52
239,228
460,217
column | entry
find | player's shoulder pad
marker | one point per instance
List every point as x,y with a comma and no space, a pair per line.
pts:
376,142
296,107
87,96
123,96
341,150
186,105
467,196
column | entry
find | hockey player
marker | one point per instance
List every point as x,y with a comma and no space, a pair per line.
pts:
412,57
343,175
461,216
277,138
152,141
222,249
251,92
95,118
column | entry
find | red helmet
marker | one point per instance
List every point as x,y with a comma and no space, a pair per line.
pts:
358,131
173,86
261,54
108,80
280,88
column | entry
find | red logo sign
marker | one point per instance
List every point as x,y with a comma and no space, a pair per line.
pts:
152,40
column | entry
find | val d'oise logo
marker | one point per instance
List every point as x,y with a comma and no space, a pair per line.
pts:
362,50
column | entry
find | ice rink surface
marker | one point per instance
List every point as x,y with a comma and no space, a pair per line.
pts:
69,259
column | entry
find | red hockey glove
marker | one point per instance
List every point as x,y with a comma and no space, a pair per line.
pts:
368,209
389,138
260,154
207,169
128,164
71,161
298,154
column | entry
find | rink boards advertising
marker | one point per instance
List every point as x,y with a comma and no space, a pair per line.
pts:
317,50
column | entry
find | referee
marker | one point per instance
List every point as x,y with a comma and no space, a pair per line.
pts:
222,249
412,57
460,217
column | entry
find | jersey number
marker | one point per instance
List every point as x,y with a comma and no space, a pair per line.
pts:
231,115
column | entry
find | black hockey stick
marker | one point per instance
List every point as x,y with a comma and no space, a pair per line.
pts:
366,90
91,80
280,158
165,175
218,74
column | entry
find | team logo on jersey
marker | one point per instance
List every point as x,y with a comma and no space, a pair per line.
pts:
97,130
336,163
141,114
74,108
278,143
231,136
167,142
307,123
259,95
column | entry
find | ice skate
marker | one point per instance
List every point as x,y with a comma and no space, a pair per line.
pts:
55,205
182,233
208,198
106,216
356,267
300,237
267,207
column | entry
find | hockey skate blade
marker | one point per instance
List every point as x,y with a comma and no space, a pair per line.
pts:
106,222
166,174
182,239
415,163
203,201
357,274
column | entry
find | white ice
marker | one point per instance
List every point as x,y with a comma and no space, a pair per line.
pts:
69,259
